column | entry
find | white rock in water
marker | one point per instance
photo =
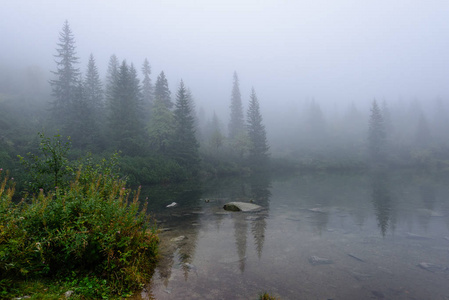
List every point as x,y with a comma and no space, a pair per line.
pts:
178,239
241,206
173,204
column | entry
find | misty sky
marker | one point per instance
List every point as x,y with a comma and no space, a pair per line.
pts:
342,50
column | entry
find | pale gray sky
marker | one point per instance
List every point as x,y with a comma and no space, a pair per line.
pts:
341,50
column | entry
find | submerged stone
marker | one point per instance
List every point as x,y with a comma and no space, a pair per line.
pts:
178,239
315,260
413,236
433,267
241,206
356,257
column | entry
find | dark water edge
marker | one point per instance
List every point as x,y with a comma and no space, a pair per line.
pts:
384,234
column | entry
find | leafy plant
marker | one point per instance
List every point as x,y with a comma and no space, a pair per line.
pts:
51,168
93,228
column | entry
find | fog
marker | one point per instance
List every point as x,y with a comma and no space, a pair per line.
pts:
335,53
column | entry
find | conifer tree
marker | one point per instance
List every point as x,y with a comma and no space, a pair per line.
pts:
94,88
161,90
377,134
125,119
111,77
216,137
147,86
67,74
185,145
236,122
196,120
82,126
91,107
160,127
258,149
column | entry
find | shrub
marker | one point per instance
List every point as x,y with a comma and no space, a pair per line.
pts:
51,168
92,228
266,296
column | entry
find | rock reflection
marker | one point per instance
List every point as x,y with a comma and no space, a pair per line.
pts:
240,233
260,192
256,189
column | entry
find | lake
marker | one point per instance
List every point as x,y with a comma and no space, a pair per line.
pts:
377,235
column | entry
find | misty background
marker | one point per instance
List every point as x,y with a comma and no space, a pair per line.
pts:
303,58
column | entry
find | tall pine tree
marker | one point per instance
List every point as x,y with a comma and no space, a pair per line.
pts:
160,127
185,145
147,87
162,92
93,87
216,138
125,118
161,124
258,149
111,77
65,86
87,110
236,121
376,134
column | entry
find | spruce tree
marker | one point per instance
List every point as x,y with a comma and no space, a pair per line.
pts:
125,118
216,137
160,127
147,86
111,77
82,126
258,149
185,145
376,135
236,122
196,120
162,92
88,109
67,80
93,87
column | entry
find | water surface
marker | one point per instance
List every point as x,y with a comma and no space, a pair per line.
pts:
381,236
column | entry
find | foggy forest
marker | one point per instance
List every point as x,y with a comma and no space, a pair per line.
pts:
130,110
193,105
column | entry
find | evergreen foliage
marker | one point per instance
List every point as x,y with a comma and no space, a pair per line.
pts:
258,149
82,124
376,135
93,116
162,92
184,145
236,121
216,138
125,112
65,85
111,77
161,127
147,86
93,87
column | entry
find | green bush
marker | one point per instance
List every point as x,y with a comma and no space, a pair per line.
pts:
92,228
152,169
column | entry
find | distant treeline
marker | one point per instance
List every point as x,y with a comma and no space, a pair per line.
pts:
159,136
164,138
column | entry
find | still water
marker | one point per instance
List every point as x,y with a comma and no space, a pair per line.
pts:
320,236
